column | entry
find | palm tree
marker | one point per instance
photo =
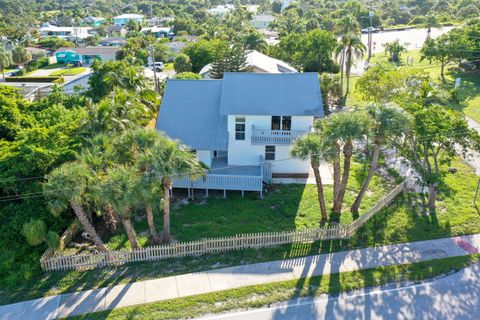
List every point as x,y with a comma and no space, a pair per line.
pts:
342,129
120,189
330,85
5,60
167,160
350,46
309,147
388,123
254,40
66,186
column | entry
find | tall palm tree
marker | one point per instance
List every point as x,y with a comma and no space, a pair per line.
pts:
350,46
309,147
342,129
168,160
388,123
66,186
120,190
5,60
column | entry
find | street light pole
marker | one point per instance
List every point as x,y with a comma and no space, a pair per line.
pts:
370,29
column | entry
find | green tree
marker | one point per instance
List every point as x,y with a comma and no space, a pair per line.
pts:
230,59
310,148
202,52
340,130
67,186
187,76
388,123
394,49
450,47
330,88
168,160
254,40
182,63
21,56
5,60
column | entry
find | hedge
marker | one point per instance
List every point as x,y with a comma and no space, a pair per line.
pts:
32,79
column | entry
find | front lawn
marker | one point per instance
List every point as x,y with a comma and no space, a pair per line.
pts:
69,71
284,207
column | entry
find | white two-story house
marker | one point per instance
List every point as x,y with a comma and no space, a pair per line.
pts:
242,126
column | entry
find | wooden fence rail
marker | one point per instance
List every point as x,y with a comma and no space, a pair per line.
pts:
52,262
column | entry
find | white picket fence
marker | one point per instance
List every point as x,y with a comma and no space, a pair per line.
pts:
52,262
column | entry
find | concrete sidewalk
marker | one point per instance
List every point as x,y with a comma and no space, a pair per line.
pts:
234,277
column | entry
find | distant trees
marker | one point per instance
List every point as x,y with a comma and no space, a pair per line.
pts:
5,60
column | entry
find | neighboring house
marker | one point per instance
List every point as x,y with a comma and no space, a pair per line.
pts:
85,54
113,42
125,18
242,127
159,32
156,21
69,33
262,21
221,10
259,63
117,30
93,21
176,46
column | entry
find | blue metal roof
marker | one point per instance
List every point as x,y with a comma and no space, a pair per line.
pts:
190,113
292,94
195,111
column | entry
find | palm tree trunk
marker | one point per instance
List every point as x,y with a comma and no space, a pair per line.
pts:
132,236
338,201
336,171
321,197
348,68
88,226
151,224
167,184
111,219
366,182
342,66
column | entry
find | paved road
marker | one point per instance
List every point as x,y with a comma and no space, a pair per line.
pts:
235,277
456,296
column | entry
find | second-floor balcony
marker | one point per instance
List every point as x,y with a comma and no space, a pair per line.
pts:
266,136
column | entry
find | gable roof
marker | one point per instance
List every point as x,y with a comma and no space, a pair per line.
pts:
195,111
262,62
94,50
287,94
190,113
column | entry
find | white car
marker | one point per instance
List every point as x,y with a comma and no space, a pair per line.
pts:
158,66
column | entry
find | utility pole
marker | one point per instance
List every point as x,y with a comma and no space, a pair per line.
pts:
370,30
152,54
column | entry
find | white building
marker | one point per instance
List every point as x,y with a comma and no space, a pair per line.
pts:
243,126
68,33
221,10
127,17
259,63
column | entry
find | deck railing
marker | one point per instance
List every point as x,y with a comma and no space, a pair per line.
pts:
222,182
264,136
52,262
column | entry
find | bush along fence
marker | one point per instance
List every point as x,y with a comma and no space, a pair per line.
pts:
50,262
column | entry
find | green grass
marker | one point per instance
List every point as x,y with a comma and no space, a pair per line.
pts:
262,295
168,66
69,72
404,221
286,207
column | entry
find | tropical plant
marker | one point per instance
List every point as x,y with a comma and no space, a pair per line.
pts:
388,124
168,160
182,63
394,49
5,60
310,148
330,88
340,130
66,186
254,40
20,55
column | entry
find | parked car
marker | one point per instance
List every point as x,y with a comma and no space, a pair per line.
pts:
77,63
157,67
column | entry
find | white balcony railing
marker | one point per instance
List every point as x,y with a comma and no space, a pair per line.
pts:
263,136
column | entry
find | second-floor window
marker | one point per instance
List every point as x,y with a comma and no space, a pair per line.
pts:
281,123
269,152
239,128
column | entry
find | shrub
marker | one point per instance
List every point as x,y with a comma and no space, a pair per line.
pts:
34,79
35,231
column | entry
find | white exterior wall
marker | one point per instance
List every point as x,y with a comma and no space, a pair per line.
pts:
205,156
242,152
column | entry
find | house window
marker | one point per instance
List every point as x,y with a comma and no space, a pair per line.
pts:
281,123
239,128
269,152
